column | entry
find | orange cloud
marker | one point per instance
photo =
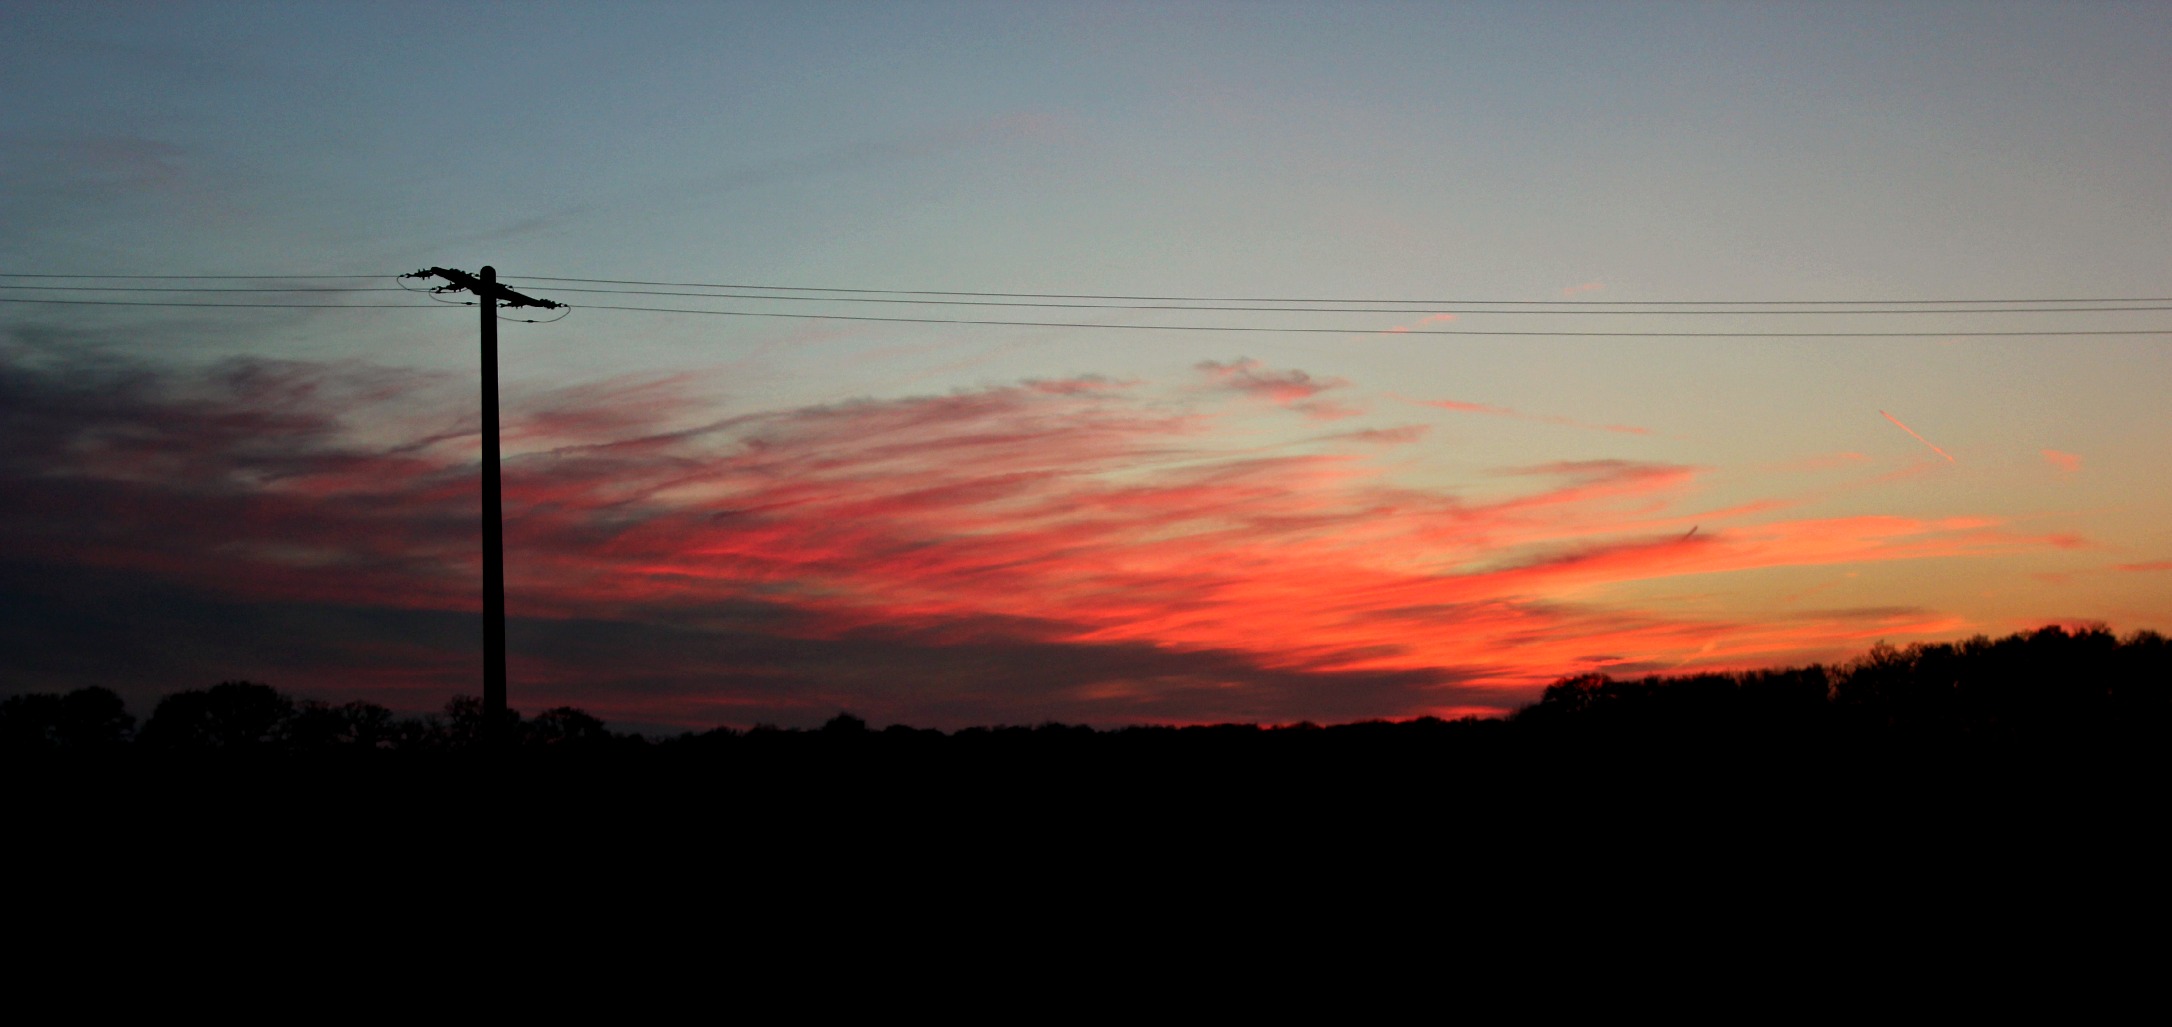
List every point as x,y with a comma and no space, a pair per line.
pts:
1299,562
1070,549
2065,463
1423,321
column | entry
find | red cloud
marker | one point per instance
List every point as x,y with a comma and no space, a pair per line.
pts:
1070,549
1252,378
1301,562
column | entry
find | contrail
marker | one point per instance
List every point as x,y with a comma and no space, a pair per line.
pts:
1919,438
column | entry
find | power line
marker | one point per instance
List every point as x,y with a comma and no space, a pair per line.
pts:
1974,305
1443,308
1169,299
1154,303
1201,305
1286,299
217,288
2065,333
1376,331
273,306
207,278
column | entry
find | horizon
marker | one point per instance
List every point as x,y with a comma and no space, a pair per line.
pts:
1875,660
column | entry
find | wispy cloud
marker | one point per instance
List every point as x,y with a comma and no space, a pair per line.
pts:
1292,389
1073,548
1428,319
1251,377
1396,436
2064,463
1919,438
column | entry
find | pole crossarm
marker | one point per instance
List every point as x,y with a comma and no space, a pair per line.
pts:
465,282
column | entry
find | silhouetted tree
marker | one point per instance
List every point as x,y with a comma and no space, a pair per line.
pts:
1568,697
418,734
87,718
464,723
356,725
232,715
567,725
94,718
30,723
845,724
2141,685
1777,696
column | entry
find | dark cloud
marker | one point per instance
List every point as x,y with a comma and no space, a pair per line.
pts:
175,526
741,663
1253,378
1072,551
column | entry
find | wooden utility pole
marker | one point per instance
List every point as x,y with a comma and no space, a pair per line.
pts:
493,519
488,294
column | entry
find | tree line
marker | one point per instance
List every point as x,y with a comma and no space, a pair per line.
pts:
2049,685
246,716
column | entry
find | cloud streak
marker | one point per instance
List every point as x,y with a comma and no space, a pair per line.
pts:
1423,321
1919,438
1075,549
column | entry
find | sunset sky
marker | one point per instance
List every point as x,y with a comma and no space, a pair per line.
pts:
736,519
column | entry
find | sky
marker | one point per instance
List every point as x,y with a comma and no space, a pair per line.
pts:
737,518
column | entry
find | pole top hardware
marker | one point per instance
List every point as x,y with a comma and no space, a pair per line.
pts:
465,282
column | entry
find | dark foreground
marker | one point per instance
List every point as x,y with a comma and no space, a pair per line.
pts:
1953,788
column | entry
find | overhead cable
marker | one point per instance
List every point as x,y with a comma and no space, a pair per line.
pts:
1289,299
1370,331
927,297
1440,308
216,288
272,306
207,278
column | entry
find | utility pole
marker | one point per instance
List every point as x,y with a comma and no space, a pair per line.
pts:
488,295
